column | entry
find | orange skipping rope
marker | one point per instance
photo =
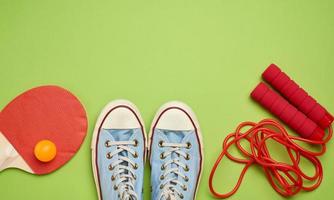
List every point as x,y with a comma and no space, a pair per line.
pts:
287,179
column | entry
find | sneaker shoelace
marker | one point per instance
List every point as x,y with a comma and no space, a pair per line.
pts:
123,169
169,185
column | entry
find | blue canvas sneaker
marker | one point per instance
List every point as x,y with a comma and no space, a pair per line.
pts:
118,152
176,153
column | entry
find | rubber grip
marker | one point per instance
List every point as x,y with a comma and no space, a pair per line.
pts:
289,114
297,96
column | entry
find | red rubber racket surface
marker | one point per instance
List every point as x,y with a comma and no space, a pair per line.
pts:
46,112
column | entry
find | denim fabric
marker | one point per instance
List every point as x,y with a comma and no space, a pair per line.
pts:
106,184
194,162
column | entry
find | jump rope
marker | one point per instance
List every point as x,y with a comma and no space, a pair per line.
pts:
301,113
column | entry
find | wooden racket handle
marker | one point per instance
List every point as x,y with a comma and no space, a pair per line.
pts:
9,158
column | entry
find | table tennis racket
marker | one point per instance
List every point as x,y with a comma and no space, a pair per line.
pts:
42,113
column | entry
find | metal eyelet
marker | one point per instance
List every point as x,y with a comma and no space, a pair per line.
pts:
161,143
110,167
162,156
184,187
135,177
188,145
135,166
186,179
181,196
113,178
115,187
163,167
135,155
136,143
161,187
187,157
162,177
109,155
107,143
186,168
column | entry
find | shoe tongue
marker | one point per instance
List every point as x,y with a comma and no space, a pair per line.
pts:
177,138
121,134
170,197
174,136
129,197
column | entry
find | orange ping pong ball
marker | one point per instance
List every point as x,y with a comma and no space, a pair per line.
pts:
45,150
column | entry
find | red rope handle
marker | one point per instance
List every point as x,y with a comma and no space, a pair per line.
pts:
286,179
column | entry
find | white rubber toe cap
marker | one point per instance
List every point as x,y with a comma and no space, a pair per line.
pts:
174,118
121,116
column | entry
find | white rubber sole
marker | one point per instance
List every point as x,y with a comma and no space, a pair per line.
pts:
192,115
99,121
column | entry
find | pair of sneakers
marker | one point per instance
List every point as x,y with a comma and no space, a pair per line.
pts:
120,148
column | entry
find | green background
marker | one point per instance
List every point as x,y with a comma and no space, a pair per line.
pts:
208,53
